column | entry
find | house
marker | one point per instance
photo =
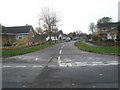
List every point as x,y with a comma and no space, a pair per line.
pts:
65,36
107,30
20,35
56,36
112,34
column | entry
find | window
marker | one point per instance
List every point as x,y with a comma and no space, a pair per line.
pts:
19,36
104,29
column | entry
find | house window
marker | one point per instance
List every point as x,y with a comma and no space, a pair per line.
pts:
104,29
19,36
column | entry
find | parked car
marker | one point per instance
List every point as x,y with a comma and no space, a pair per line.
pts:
68,40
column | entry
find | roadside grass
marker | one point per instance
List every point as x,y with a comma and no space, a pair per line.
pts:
26,50
99,49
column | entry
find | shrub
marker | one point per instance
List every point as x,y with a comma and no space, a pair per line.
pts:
108,40
8,44
96,38
14,44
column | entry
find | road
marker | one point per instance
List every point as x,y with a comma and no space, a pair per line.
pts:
60,66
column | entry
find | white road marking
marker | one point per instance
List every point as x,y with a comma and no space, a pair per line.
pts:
37,66
21,66
86,64
51,65
7,66
60,52
59,60
112,62
90,58
36,59
97,62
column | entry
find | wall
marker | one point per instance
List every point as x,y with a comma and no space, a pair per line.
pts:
4,39
21,41
39,41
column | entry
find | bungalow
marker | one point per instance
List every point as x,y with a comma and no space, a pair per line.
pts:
56,36
107,30
20,35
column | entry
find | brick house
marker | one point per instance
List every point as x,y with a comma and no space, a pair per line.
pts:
107,30
20,35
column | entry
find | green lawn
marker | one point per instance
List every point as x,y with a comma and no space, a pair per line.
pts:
23,51
100,49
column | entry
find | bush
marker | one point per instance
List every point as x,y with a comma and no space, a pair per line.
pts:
14,44
8,44
89,36
96,38
108,40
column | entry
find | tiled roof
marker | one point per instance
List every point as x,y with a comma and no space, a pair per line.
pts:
101,25
40,36
18,29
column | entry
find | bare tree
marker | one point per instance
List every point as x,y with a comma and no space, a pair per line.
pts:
92,28
39,30
49,18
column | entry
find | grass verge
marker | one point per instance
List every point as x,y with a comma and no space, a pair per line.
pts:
27,50
99,49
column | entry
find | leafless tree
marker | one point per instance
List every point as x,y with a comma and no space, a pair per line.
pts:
49,18
92,28
39,30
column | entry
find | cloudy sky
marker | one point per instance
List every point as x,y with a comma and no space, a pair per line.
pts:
75,14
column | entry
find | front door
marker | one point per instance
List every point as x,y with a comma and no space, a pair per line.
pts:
9,39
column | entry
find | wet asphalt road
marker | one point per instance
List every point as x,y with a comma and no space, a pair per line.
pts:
60,66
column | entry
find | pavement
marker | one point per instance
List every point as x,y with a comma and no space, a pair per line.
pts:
60,66
90,44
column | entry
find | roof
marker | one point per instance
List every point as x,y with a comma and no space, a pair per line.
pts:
55,34
18,29
101,25
40,36
114,30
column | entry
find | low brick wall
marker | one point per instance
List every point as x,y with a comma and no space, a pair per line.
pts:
18,47
105,43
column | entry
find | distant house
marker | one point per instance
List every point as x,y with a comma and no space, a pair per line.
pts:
55,36
20,35
107,30
65,36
